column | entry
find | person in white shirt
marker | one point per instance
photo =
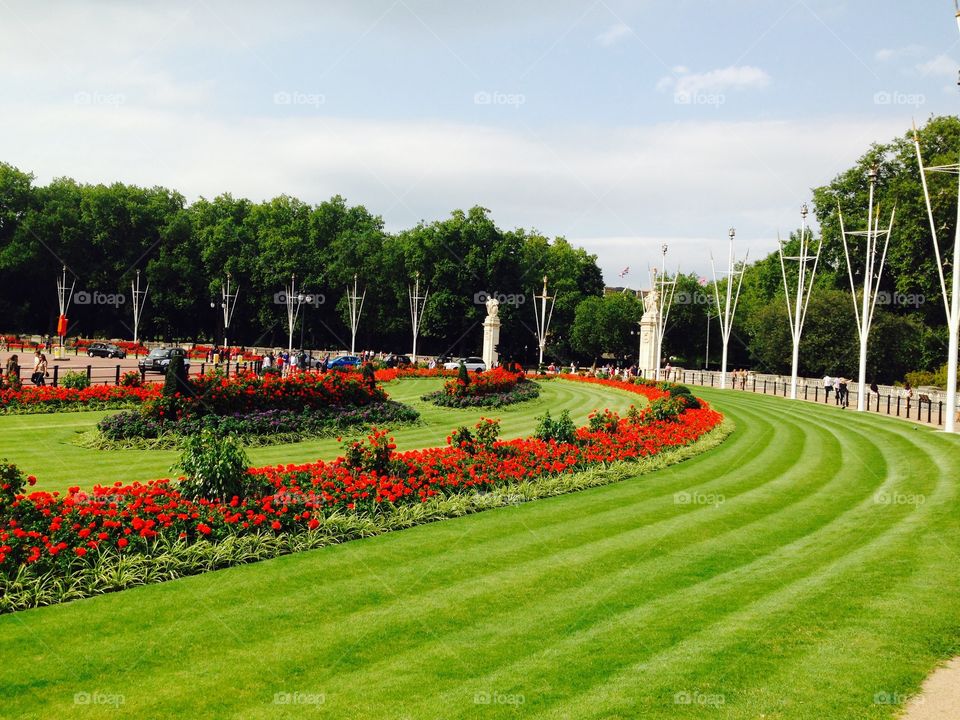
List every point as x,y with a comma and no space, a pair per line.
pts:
827,387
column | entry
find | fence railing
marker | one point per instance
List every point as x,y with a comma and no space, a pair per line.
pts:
925,407
113,374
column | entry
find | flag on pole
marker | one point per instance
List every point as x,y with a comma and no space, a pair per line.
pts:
625,271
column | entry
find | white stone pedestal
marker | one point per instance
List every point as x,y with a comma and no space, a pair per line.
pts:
491,337
648,343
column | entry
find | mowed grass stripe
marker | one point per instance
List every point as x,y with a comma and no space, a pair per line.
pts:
524,673
293,601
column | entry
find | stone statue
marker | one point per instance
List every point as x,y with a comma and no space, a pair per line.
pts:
493,307
650,302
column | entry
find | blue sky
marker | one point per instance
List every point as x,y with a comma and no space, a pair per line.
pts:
620,125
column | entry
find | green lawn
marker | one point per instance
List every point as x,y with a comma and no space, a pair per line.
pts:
42,444
785,588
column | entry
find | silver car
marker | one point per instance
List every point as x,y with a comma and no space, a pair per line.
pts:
471,363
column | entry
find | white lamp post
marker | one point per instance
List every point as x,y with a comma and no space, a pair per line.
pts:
355,304
139,302
798,314
951,300
725,315
665,289
418,303
871,272
294,301
543,317
228,304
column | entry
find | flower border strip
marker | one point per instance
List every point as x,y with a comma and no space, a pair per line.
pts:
115,572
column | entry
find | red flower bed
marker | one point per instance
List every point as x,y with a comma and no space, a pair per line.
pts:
49,398
490,382
390,374
248,392
55,531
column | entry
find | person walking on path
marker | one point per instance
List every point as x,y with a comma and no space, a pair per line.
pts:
827,387
843,397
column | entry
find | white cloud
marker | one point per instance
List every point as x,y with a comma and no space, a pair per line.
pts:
940,65
614,34
734,77
907,51
646,183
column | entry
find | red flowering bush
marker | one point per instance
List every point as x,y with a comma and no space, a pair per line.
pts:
493,388
214,394
493,381
47,398
50,531
391,374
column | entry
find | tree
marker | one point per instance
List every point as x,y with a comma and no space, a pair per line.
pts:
607,326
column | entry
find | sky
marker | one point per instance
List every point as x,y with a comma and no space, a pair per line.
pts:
621,126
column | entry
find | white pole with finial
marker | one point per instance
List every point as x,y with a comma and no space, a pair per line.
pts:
726,314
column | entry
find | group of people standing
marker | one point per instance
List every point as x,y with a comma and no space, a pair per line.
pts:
11,373
837,386
740,378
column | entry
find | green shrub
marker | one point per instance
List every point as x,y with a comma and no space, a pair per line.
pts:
487,433
462,375
376,455
604,421
214,466
561,430
176,378
131,379
667,408
75,380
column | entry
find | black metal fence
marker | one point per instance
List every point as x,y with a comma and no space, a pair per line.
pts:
916,406
113,374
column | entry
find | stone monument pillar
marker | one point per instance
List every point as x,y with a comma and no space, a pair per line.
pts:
491,333
649,335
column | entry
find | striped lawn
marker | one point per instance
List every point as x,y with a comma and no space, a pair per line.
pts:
41,444
806,568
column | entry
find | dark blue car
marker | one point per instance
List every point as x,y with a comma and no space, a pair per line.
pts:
344,362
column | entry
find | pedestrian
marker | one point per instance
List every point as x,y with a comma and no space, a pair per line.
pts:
843,399
827,387
39,369
12,372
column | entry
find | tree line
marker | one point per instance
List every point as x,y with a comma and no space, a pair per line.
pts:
103,234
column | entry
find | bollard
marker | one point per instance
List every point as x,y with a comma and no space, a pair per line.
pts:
117,381
89,373
56,374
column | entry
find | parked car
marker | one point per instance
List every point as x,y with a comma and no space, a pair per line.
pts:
105,350
344,362
401,361
159,359
472,363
